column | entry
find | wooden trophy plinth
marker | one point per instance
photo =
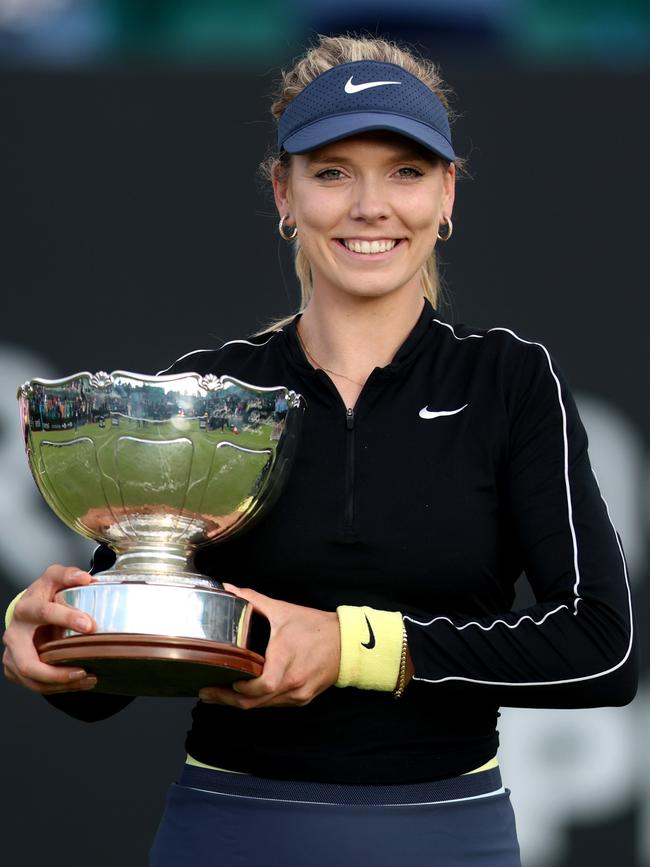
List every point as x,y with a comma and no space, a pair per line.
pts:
154,665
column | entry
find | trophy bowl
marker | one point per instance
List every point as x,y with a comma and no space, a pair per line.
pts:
156,467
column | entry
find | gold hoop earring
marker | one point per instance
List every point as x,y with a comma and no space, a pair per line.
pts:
283,234
450,229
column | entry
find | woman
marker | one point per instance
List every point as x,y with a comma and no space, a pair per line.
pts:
437,462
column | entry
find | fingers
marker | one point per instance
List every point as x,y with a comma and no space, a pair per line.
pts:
276,678
60,577
275,686
26,669
301,657
227,696
79,685
266,605
258,691
39,611
36,608
21,659
239,694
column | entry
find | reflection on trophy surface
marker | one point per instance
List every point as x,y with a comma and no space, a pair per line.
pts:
155,467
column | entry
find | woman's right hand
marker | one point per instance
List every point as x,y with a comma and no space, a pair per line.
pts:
35,611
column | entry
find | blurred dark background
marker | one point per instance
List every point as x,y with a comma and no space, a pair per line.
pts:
135,228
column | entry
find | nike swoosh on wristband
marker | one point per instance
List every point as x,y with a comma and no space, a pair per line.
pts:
429,413
371,640
355,88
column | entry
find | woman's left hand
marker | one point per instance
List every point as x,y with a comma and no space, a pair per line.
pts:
302,657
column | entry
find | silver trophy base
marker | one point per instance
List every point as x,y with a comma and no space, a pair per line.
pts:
156,608
156,638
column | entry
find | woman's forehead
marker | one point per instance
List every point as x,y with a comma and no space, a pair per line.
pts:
380,142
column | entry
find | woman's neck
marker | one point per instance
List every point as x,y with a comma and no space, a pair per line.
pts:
350,338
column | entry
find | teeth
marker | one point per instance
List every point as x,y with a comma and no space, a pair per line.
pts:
369,246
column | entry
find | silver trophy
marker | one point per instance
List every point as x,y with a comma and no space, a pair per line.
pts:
156,467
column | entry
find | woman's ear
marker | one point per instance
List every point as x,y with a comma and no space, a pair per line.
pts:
449,189
280,181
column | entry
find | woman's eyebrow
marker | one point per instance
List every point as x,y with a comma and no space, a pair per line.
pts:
401,155
328,158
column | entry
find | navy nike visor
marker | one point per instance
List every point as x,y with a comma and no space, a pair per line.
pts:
361,96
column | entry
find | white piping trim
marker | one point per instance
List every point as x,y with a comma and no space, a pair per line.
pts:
575,550
229,343
565,442
92,556
451,328
480,625
337,804
248,342
187,354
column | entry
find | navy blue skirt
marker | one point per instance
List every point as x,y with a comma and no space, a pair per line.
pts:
217,819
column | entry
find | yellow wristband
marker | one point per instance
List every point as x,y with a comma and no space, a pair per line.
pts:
371,647
9,613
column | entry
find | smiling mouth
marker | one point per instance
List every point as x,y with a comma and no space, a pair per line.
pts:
354,245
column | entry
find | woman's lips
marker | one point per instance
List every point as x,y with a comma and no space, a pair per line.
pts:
368,256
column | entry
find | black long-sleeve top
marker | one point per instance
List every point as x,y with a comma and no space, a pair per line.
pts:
463,464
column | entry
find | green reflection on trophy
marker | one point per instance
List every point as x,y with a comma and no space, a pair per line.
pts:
156,467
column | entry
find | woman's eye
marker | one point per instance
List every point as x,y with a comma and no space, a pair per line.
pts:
409,172
329,174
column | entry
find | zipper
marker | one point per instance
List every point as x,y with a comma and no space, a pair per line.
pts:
348,494
348,520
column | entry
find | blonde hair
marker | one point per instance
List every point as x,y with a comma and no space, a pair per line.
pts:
328,52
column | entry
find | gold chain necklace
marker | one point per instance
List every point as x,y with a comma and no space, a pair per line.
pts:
321,366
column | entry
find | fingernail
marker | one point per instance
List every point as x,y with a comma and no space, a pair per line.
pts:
89,683
78,574
75,675
81,624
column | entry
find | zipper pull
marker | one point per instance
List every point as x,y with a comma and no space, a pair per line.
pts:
349,418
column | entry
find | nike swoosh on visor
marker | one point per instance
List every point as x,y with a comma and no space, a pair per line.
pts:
355,88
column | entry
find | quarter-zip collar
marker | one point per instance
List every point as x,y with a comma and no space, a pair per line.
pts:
407,352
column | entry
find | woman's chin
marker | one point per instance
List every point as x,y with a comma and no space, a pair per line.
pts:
375,290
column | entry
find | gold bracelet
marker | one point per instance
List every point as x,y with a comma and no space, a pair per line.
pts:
401,679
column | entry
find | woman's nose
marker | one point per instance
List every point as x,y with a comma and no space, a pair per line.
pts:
370,201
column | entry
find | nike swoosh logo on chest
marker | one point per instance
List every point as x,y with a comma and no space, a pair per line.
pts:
438,413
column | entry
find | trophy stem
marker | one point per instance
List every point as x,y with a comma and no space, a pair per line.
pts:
153,559
156,565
